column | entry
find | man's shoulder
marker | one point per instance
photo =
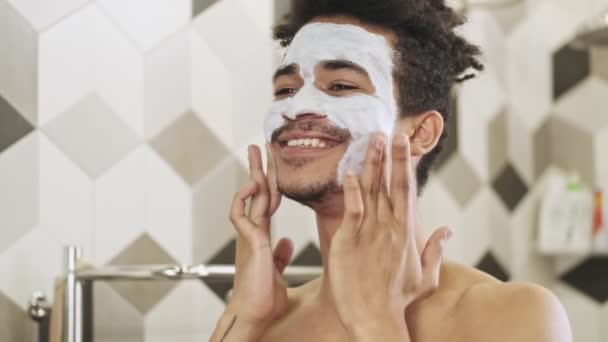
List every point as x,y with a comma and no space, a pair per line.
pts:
514,311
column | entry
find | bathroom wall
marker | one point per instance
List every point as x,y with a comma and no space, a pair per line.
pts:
124,126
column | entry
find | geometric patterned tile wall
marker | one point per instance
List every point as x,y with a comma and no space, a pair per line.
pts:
124,126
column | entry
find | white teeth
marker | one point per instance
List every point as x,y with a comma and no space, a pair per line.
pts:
307,143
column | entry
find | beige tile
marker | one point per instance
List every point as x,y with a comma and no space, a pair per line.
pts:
460,179
16,326
115,319
211,206
92,135
189,147
143,295
599,62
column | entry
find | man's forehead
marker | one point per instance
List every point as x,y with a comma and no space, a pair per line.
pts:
321,41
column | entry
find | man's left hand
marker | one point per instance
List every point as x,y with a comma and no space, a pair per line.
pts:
375,268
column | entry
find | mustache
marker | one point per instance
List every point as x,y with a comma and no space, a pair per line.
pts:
313,126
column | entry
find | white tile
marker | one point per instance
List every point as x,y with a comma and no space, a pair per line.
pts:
520,141
66,198
296,222
583,106
148,21
583,313
437,199
120,205
261,12
212,200
31,264
19,197
529,59
167,64
212,93
480,100
18,65
526,263
119,73
190,311
85,53
168,208
475,228
66,59
43,14
254,58
601,162
89,145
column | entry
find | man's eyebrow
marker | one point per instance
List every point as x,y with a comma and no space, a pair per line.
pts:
339,64
284,71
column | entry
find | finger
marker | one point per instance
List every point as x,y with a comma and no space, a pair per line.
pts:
401,175
385,208
432,256
259,202
370,180
282,254
237,212
273,185
353,204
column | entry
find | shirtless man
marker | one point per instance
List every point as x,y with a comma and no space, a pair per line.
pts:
334,148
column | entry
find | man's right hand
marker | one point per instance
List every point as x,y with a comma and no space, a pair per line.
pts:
260,294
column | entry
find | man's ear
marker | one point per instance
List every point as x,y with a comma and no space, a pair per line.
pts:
424,131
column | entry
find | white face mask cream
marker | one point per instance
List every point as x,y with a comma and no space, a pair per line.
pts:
360,114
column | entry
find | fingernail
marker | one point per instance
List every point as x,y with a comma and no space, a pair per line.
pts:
448,235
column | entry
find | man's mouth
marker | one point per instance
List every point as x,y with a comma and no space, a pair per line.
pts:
299,142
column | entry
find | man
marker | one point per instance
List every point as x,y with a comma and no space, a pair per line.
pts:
360,105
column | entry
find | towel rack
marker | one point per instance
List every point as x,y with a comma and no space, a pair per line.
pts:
78,289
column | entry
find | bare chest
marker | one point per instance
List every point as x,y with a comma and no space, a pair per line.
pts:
322,332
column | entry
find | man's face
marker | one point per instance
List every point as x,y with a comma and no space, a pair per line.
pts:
329,99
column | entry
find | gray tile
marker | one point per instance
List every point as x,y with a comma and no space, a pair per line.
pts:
143,295
460,179
281,8
591,278
572,149
308,256
225,256
498,145
190,147
570,66
198,6
15,325
510,187
12,125
490,265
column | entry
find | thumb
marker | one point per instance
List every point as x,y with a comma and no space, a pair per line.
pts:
282,254
433,253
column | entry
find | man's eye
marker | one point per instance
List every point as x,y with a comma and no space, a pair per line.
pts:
285,91
342,87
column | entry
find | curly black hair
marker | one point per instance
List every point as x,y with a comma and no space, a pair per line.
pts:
430,56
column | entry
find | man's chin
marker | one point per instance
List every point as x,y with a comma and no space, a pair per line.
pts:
309,193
